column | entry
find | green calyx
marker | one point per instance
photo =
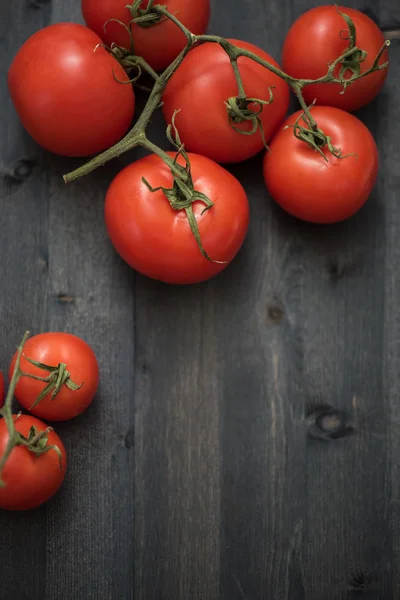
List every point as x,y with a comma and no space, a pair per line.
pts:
352,62
58,377
145,17
315,138
37,442
248,110
127,59
182,195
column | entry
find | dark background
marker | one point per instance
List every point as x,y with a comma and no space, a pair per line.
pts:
199,473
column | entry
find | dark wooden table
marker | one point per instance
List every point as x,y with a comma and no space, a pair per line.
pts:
199,472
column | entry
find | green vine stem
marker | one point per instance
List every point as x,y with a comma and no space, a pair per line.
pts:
137,135
239,108
36,442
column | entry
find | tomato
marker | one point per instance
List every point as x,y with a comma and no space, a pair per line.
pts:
156,240
159,44
1,389
316,39
65,93
201,86
30,480
307,186
51,349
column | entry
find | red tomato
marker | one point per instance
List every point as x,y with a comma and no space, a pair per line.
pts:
51,349
1,389
156,240
159,44
315,40
30,480
201,86
65,93
307,186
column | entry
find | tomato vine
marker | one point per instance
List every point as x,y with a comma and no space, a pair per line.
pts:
239,108
36,442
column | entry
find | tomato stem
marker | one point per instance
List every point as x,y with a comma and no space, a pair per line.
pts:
15,377
137,135
38,442
239,81
298,91
132,61
6,410
175,169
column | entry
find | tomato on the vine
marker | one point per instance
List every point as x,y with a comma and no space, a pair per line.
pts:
1,389
52,349
157,240
319,37
30,480
158,44
308,187
200,88
68,91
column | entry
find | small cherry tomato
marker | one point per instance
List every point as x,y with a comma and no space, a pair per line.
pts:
64,88
158,44
54,349
308,187
157,240
202,86
319,37
30,480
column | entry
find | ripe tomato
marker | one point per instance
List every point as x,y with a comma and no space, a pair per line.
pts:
316,39
159,44
51,349
65,93
1,389
156,240
307,186
30,480
201,86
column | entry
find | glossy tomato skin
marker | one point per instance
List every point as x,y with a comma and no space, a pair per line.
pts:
51,349
315,40
2,391
29,480
307,186
200,88
160,44
156,240
65,93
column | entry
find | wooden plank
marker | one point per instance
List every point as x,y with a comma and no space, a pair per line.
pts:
55,248
97,502
177,443
348,548
263,501
390,155
23,269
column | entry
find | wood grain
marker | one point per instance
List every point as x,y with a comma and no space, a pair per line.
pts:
200,472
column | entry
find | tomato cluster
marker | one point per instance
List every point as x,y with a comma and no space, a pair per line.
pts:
180,217
30,480
225,107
